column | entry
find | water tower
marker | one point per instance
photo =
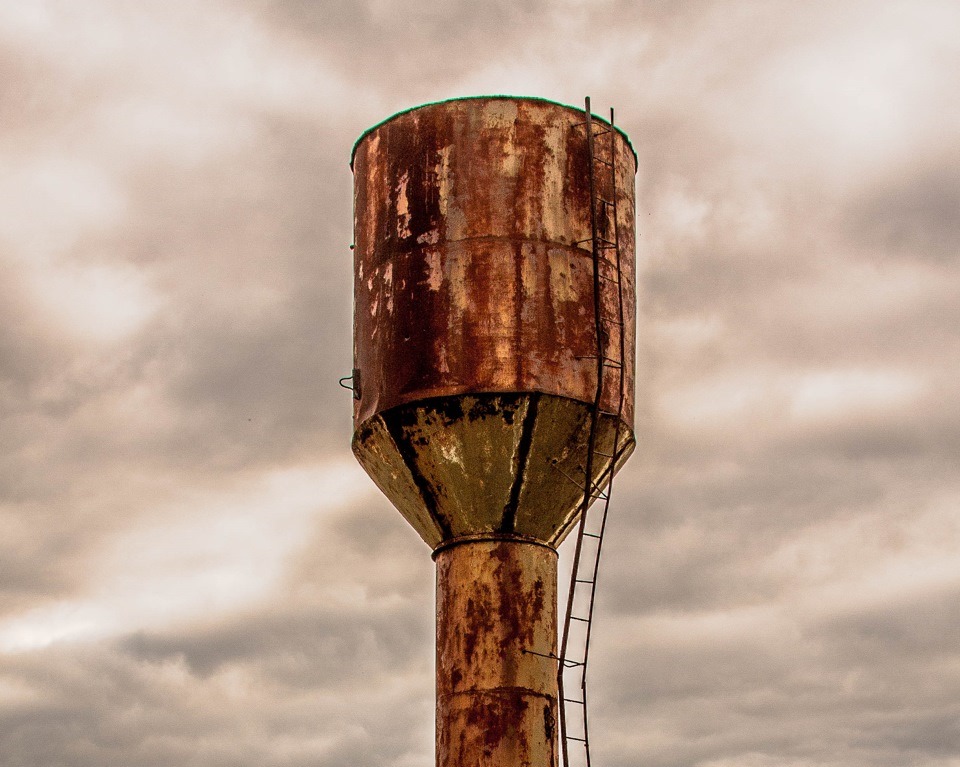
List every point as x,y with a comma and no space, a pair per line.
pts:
493,390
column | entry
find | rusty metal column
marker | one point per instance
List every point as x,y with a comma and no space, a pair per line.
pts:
496,631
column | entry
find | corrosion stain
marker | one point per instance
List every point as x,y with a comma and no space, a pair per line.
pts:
549,722
478,627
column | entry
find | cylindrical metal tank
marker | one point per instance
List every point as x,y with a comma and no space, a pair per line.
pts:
475,377
474,337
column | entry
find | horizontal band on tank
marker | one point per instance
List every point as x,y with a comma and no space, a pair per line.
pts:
525,692
426,396
581,248
491,538
501,97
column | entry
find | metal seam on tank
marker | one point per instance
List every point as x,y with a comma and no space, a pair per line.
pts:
449,391
523,453
406,451
507,238
430,254
524,692
490,537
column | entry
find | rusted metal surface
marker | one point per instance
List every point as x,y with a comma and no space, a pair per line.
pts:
469,277
475,339
474,331
496,622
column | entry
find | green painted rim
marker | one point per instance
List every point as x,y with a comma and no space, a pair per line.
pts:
368,131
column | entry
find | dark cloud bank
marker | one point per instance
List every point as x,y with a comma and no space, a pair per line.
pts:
782,580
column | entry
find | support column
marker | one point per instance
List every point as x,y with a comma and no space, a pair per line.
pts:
496,620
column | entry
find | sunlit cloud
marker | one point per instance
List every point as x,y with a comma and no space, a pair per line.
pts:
215,554
803,396
101,303
51,201
836,392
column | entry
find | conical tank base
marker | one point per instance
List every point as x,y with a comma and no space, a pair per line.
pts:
488,463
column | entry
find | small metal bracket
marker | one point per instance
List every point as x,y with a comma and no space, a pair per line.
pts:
355,386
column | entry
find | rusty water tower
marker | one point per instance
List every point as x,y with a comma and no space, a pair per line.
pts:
493,377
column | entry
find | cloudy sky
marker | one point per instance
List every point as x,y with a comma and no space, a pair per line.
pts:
193,570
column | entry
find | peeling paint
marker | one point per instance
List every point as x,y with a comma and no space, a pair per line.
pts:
449,448
434,271
388,285
429,238
403,207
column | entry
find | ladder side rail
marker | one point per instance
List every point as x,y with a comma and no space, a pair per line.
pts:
615,452
616,435
591,447
599,243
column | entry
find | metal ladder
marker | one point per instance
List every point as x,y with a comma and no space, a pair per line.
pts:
610,356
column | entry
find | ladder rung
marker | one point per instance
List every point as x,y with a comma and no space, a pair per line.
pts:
604,244
571,737
540,654
578,618
582,580
591,535
594,356
610,279
598,493
608,164
598,132
573,663
574,700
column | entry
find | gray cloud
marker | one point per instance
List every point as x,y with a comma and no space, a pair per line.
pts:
913,216
189,572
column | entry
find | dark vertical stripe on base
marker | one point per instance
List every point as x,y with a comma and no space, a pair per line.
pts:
398,435
508,523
